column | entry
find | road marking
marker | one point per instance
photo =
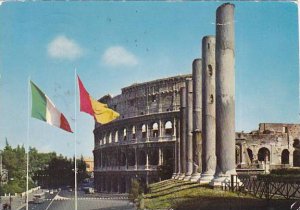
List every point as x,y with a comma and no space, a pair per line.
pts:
51,201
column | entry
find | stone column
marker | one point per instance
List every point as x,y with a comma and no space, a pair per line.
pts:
175,161
147,159
175,172
101,160
189,129
147,132
197,119
135,164
208,109
182,132
159,157
225,93
178,172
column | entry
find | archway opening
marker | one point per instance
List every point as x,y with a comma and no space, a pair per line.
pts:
263,154
285,157
168,128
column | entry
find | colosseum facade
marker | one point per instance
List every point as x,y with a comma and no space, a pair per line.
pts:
143,138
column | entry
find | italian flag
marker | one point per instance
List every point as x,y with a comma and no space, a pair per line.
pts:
43,109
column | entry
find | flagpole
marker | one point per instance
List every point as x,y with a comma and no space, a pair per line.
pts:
75,139
27,141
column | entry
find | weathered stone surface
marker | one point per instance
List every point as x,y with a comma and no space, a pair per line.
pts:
197,119
182,132
209,109
189,129
225,93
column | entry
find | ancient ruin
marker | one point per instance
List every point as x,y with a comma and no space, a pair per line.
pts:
187,123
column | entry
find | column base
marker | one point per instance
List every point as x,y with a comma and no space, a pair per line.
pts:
206,178
174,175
187,178
181,176
195,177
177,176
224,181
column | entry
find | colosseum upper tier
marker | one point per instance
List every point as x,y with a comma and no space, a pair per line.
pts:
142,138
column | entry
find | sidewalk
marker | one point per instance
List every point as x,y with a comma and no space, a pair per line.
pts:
17,202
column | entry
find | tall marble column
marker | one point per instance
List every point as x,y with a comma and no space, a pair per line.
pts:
197,121
208,109
182,132
189,129
225,93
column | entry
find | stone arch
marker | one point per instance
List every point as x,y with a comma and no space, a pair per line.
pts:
168,128
141,159
153,156
250,154
131,157
122,185
124,134
133,131
296,143
122,159
296,158
117,136
285,156
109,137
144,131
155,129
168,155
263,154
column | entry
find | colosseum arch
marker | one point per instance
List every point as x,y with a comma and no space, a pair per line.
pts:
285,156
116,136
141,159
168,155
124,134
122,185
155,129
109,138
144,131
131,157
168,128
153,156
263,154
122,159
133,132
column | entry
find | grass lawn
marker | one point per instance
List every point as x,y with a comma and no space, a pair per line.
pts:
184,195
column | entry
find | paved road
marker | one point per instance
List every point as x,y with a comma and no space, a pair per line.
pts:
64,200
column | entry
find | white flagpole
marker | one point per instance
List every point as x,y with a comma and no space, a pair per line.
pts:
27,142
75,142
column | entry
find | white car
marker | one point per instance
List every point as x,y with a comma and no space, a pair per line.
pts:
51,192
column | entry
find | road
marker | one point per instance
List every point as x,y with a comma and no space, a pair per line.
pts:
64,200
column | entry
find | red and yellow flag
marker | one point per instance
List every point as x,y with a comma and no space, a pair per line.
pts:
98,110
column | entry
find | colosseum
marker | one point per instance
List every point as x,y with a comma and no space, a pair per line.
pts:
145,136
142,139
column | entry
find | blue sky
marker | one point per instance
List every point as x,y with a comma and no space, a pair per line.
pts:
115,44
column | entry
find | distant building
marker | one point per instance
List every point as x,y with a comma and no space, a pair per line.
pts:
89,161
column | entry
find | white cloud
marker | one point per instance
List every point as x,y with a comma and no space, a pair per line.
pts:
119,56
64,48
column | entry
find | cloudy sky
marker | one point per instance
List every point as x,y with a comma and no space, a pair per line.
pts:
115,44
